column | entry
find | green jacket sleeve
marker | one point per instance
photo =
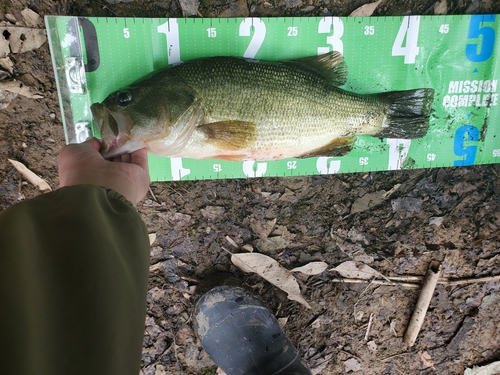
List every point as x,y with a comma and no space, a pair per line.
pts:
73,281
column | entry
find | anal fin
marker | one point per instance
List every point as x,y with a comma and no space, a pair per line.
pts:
230,135
337,147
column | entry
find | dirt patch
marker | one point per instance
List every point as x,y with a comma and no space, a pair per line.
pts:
451,215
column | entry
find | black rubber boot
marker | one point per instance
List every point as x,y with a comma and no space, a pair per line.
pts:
241,335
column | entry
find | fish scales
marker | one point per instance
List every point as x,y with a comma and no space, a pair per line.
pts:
294,109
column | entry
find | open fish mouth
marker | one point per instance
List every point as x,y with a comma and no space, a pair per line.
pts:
114,128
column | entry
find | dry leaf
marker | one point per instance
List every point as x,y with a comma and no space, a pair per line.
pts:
426,359
368,201
30,176
232,242
313,268
262,230
282,321
18,88
365,10
269,269
24,39
491,369
356,270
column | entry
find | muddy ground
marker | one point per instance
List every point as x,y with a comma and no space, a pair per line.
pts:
449,214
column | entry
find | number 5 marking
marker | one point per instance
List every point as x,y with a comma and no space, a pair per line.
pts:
488,38
325,27
259,34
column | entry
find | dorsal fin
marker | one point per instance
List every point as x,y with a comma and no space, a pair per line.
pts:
330,65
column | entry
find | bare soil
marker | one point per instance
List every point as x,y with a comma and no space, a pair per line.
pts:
315,218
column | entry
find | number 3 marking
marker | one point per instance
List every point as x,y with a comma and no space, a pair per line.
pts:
325,27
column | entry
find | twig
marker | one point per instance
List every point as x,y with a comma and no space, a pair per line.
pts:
428,287
378,282
394,356
415,281
152,194
369,326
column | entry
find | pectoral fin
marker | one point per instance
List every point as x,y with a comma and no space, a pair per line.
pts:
230,135
337,147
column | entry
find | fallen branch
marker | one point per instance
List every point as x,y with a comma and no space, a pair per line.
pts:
418,316
30,176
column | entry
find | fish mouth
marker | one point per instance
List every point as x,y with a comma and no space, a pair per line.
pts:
115,128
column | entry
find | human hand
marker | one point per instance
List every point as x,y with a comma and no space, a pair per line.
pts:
127,174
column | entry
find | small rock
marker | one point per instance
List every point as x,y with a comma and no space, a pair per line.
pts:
189,7
292,3
119,1
308,9
11,18
271,245
31,19
352,365
441,7
213,213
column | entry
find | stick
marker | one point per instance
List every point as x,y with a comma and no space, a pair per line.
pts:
378,282
369,326
428,287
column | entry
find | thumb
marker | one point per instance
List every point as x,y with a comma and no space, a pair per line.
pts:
94,142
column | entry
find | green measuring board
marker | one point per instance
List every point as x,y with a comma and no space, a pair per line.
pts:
457,56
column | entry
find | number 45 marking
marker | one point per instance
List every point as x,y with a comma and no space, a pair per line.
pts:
409,30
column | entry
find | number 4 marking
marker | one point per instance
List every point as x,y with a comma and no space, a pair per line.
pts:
409,29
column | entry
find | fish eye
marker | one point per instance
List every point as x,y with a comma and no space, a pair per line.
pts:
124,97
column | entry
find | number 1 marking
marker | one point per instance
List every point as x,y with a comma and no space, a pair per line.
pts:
171,31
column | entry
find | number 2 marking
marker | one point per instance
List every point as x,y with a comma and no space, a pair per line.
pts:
259,34
409,29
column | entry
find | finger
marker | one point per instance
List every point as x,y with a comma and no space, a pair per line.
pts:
94,142
140,158
125,158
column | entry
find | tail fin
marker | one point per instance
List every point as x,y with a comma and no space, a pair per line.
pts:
407,113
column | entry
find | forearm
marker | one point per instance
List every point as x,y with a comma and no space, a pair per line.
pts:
73,282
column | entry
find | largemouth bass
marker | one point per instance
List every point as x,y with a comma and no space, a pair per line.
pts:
238,109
